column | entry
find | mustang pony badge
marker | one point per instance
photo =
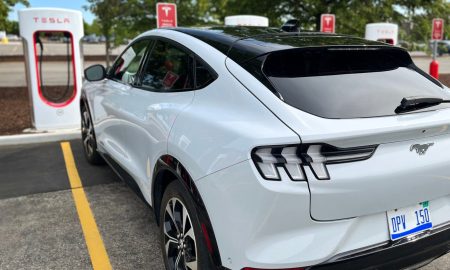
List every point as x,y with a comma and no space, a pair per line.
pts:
421,149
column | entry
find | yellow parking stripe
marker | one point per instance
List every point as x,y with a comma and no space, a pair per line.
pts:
94,242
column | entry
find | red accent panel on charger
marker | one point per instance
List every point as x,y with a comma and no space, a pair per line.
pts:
36,57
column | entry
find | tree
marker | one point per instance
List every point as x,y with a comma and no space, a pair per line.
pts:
12,27
108,13
93,28
413,16
5,8
419,16
120,20
352,17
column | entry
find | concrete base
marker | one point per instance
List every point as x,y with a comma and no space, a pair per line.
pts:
40,137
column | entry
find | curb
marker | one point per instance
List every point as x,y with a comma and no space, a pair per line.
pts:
50,136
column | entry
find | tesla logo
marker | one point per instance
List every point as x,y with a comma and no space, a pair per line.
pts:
437,31
327,23
421,149
166,10
52,20
166,14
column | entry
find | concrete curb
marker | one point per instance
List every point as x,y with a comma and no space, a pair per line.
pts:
49,136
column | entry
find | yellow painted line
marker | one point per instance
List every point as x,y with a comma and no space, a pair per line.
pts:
94,242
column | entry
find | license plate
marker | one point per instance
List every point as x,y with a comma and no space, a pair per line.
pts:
410,220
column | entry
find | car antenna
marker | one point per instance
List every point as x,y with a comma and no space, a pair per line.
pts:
291,26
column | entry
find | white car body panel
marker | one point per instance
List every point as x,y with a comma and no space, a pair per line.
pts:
405,183
148,120
105,107
381,184
274,229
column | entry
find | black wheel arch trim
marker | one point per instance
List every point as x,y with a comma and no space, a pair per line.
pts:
171,164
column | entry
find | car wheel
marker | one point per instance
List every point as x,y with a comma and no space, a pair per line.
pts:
182,242
88,138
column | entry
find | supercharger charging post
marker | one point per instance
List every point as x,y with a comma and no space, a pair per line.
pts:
51,39
437,33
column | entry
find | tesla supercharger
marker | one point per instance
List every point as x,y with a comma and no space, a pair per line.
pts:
385,32
246,20
51,41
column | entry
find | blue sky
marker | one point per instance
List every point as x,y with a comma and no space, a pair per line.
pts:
70,4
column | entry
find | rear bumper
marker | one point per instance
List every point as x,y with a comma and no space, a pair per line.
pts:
396,255
267,225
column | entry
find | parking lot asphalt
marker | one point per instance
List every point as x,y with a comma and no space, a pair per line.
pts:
43,219
39,224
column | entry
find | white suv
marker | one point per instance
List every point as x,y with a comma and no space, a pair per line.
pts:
262,149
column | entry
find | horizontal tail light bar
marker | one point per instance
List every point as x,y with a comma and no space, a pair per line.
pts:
270,159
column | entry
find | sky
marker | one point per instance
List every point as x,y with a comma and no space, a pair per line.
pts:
69,4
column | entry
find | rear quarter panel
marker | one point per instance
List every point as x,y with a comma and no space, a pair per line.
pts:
224,122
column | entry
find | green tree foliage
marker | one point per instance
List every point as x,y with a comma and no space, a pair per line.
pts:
5,8
351,16
413,16
12,27
108,14
120,20
416,24
93,28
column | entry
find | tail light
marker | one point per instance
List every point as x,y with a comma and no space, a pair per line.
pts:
293,158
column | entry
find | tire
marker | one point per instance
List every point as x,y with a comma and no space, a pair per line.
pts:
184,245
88,138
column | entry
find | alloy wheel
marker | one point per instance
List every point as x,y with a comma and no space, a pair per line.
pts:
87,133
179,237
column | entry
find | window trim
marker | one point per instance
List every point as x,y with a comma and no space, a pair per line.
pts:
185,49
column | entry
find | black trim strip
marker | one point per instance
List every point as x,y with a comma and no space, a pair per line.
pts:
396,255
124,176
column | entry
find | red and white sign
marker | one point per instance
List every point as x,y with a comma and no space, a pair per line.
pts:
327,23
166,14
438,29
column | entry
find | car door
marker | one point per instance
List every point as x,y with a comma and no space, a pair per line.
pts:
108,104
152,105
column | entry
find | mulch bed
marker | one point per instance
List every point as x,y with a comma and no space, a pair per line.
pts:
15,109
15,113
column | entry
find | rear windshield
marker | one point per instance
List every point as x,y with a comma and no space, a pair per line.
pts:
348,82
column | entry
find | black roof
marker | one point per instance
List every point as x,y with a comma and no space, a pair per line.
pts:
242,43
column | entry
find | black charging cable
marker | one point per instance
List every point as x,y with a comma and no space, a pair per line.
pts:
68,60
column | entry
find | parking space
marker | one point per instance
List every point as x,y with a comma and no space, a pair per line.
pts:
41,223
42,214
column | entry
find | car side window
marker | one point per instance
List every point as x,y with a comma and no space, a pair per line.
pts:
168,68
126,67
203,75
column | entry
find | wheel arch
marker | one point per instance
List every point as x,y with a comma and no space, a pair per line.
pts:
168,169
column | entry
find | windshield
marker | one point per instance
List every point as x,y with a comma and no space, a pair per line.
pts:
348,83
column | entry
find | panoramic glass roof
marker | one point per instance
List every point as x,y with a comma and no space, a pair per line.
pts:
243,43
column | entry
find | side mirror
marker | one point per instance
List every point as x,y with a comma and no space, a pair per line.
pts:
95,73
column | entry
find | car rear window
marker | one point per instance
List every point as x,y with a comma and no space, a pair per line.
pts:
348,82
